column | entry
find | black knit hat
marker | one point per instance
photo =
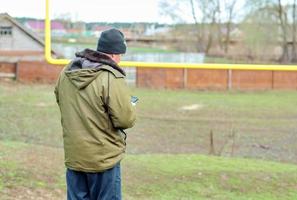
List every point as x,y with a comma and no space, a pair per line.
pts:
112,41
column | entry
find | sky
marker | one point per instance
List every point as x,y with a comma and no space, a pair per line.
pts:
97,10
88,10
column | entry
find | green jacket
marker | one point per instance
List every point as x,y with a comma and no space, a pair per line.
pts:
95,105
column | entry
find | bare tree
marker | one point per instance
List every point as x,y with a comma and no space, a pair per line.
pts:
204,13
283,19
210,10
280,15
294,55
209,16
229,8
172,9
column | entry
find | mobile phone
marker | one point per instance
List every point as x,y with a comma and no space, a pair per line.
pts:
134,99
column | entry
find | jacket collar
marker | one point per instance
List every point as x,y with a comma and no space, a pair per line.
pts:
96,56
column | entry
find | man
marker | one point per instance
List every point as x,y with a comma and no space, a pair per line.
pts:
95,106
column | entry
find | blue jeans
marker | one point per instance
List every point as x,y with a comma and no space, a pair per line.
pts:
94,186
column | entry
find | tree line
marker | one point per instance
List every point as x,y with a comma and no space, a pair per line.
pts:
250,29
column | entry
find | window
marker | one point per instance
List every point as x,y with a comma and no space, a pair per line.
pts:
5,30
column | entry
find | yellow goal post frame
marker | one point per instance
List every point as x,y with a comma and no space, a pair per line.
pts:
51,60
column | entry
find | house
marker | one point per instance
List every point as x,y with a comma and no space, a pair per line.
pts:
77,28
14,36
17,42
22,52
37,26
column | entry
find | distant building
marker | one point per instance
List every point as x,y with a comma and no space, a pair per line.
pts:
154,30
128,33
97,30
37,26
78,28
14,36
17,42
22,54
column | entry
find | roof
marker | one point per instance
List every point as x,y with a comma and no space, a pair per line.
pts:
24,29
39,25
100,28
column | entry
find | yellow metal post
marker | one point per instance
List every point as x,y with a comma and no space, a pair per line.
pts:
52,60
48,48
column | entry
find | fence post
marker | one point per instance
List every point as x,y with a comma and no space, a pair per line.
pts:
229,79
211,144
185,78
17,71
272,81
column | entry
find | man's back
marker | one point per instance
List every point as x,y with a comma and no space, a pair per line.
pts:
95,104
96,108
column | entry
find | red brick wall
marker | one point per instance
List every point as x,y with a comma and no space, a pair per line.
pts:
181,78
38,72
207,79
150,77
160,78
284,80
7,67
174,78
251,80
215,79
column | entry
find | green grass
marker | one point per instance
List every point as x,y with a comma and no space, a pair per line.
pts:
204,177
153,177
28,113
252,102
165,149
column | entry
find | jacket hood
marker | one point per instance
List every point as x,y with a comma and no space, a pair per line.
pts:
87,65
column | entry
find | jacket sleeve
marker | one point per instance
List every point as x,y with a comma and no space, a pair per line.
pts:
121,111
56,91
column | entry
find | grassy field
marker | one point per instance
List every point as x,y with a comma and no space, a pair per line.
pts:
167,149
